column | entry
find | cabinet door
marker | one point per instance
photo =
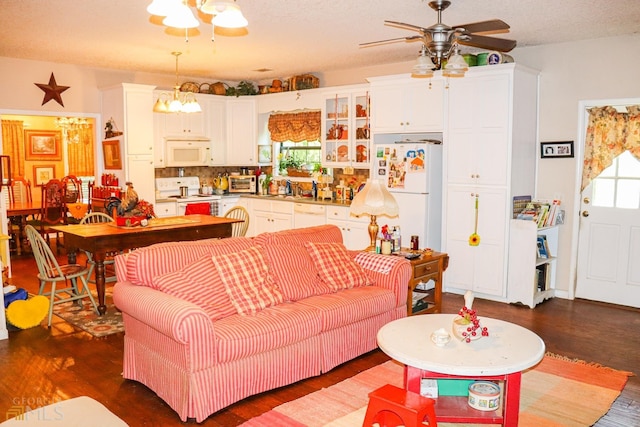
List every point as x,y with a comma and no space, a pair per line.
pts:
165,209
138,122
262,222
387,109
424,106
140,172
241,132
479,268
216,121
158,140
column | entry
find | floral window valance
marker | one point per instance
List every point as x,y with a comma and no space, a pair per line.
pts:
295,126
609,134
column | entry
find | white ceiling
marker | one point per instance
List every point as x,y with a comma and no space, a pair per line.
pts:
289,37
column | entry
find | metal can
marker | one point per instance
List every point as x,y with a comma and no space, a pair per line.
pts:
415,243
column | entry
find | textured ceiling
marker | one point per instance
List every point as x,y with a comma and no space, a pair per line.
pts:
288,37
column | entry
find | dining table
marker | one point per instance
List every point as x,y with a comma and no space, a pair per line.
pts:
17,213
102,239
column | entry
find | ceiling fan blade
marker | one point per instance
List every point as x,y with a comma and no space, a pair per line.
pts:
406,26
484,42
408,39
484,26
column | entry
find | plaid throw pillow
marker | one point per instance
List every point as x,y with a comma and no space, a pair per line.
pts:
335,267
246,278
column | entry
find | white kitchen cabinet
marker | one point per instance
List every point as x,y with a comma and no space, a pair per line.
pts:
402,104
188,125
308,215
242,124
270,215
490,149
531,279
345,128
165,209
478,268
217,123
131,107
355,230
227,203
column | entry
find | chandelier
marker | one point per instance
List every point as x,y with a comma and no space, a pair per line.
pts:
178,14
72,128
456,66
178,102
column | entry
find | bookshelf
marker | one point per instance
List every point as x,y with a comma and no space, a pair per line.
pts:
532,270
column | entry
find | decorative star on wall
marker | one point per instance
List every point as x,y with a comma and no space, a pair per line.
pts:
52,91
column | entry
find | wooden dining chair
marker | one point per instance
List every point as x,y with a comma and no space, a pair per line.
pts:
49,271
53,211
19,192
238,229
96,218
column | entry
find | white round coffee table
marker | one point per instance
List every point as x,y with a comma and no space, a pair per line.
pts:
503,355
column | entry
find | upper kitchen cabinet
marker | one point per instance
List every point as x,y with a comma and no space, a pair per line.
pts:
401,104
131,107
185,125
217,129
242,124
346,128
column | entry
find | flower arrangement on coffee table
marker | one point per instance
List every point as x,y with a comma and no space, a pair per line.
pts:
466,325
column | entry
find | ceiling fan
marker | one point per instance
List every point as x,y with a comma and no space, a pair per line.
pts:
439,40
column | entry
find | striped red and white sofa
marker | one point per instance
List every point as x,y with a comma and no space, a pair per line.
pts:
210,322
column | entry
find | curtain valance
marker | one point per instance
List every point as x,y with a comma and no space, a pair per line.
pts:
298,126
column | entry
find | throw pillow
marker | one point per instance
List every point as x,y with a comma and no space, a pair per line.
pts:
200,284
294,272
246,278
335,266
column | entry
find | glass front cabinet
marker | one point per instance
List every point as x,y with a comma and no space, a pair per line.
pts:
346,129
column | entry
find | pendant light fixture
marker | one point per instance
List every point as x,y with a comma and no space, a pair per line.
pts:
180,102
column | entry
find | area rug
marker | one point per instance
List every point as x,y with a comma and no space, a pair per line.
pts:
85,318
557,392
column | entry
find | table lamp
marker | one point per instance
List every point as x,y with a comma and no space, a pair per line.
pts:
374,199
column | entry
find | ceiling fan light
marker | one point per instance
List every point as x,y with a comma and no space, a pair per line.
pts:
456,62
181,17
213,7
231,18
162,7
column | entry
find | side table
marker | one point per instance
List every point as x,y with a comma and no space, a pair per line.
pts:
429,266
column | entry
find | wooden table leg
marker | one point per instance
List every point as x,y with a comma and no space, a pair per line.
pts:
100,281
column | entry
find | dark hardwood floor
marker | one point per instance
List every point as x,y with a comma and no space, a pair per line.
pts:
42,365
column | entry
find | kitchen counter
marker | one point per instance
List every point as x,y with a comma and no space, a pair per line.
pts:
309,200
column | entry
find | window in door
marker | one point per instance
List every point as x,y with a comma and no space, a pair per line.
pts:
619,185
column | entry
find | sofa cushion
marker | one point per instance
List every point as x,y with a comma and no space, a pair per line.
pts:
200,284
294,272
239,336
351,305
144,264
245,276
335,266
298,236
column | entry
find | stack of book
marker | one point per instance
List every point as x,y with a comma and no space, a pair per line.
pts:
543,212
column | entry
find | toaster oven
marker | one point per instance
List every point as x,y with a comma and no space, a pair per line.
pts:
242,183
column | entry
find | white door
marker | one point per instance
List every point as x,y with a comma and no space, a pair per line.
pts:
609,235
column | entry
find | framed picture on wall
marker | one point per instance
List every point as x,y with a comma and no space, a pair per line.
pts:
43,144
557,149
43,173
111,152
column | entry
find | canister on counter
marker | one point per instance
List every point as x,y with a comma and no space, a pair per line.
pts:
415,242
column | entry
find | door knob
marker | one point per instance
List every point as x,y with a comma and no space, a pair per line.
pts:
585,213
586,200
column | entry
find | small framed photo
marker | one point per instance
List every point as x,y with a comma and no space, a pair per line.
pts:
556,149
42,144
111,152
43,173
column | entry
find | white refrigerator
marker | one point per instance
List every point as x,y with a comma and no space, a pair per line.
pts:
412,172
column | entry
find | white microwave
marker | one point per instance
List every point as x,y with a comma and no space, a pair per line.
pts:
187,152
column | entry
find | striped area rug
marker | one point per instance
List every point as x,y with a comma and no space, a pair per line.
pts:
557,392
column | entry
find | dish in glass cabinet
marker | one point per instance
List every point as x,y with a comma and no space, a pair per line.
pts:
361,153
343,153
